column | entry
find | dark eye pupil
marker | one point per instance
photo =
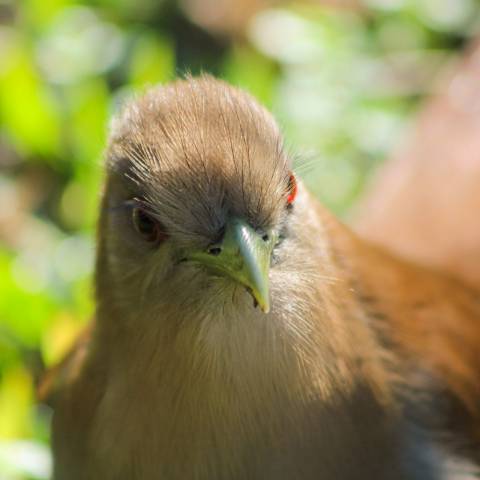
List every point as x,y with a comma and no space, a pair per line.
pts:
145,225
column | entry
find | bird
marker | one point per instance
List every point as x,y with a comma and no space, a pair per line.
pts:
242,331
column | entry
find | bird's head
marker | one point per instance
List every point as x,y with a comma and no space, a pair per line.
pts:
199,201
211,255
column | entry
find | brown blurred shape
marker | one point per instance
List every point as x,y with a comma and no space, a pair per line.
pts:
225,17
425,202
230,17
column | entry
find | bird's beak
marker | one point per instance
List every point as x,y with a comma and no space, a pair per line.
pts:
243,255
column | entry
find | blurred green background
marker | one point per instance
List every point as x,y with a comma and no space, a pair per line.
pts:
343,79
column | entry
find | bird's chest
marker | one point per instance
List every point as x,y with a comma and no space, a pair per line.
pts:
155,431
229,409
150,432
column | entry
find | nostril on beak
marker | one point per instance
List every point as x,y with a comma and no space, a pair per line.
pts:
215,251
266,238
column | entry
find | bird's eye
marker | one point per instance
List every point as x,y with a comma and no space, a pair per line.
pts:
291,189
147,226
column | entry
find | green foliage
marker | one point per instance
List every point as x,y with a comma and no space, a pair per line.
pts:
342,84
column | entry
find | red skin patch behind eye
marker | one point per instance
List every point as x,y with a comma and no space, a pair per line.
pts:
292,189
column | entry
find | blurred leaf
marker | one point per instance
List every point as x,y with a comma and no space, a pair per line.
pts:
133,10
59,338
88,107
449,15
28,111
250,70
15,398
78,45
24,313
39,13
152,61
78,204
82,301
